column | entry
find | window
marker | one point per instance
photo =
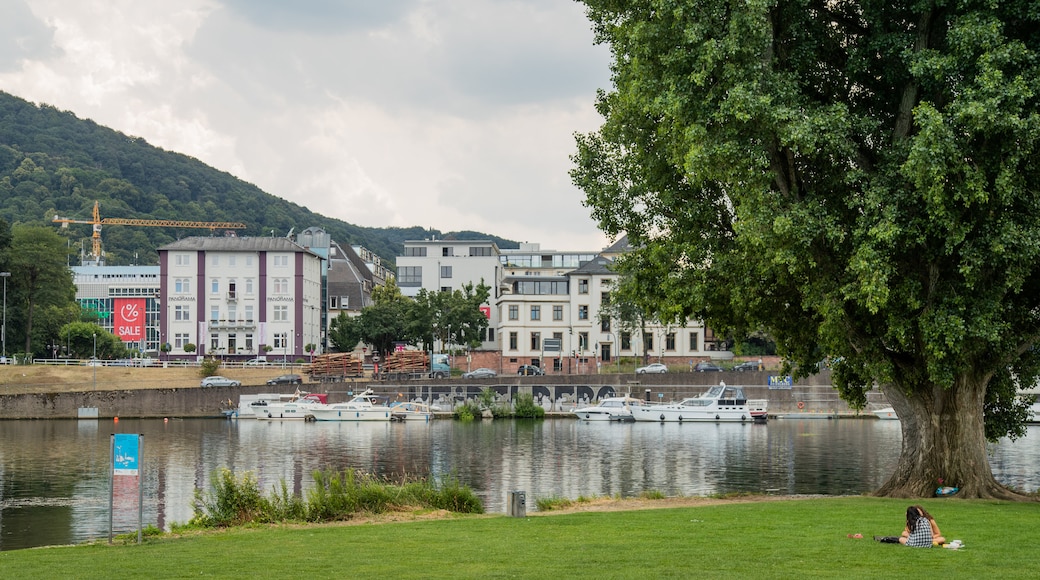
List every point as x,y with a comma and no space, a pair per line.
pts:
479,251
669,341
281,285
583,286
281,340
249,342
536,341
449,251
445,271
280,260
231,260
626,341
557,312
410,276
182,285
536,312
281,314
604,298
583,341
181,313
415,252
249,259
512,341
583,312
333,302
249,286
514,312
182,259
232,342
214,341
445,288
214,260
539,287
232,314
180,339
694,339
249,312
648,342
214,286
490,334
214,313
604,325
231,290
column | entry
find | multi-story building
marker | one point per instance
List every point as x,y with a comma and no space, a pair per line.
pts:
126,301
446,265
240,297
548,306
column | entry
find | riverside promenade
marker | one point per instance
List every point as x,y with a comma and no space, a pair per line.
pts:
557,394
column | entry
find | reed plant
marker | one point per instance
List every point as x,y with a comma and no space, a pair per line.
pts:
236,501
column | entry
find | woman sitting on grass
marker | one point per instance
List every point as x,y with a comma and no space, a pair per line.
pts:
921,530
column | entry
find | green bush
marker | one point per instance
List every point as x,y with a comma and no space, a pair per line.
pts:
526,409
209,367
468,411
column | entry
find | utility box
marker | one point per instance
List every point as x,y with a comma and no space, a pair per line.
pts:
518,504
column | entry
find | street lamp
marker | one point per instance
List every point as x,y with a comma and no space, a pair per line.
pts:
3,329
93,361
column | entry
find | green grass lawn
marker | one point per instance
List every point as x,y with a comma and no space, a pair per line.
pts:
777,539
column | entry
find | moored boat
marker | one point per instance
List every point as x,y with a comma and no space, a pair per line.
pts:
718,404
299,407
610,409
363,407
410,411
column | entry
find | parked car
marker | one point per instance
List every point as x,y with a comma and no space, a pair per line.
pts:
255,362
747,366
652,368
707,367
218,381
480,373
530,370
286,380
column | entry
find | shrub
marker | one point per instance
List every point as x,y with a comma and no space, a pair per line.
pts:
233,501
209,367
526,409
468,411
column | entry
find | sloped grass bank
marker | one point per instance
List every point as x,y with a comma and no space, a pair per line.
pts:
771,539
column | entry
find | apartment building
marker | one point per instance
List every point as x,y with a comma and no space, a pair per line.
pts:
125,300
240,297
446,265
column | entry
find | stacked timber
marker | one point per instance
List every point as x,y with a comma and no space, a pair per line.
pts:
405,362
334,366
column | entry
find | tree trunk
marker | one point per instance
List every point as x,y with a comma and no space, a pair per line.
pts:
944,442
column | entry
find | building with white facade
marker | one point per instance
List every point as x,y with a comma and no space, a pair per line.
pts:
446,265
240,297
548,306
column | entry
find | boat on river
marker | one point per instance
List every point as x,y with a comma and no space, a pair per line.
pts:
718,404
363,407
299,406
410,411
610,409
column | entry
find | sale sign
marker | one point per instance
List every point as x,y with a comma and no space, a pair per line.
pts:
128,319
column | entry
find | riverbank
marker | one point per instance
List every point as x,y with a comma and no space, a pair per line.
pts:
715,538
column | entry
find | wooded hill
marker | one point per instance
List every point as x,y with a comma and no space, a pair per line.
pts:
53,163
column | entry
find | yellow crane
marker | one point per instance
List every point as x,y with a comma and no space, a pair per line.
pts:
97,222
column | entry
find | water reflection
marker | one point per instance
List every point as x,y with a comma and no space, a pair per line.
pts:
54,476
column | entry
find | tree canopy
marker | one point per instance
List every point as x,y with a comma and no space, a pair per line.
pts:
856,178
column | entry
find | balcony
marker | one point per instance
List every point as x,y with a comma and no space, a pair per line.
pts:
232,296
232,324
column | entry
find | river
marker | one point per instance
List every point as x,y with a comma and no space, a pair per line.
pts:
54,475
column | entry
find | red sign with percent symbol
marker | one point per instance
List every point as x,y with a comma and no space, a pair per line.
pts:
128,319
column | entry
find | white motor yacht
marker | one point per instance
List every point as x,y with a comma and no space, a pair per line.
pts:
610,409
717,404
363,407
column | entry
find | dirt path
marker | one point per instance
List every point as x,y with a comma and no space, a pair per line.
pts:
17,379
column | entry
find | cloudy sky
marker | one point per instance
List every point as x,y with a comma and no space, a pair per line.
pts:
450,115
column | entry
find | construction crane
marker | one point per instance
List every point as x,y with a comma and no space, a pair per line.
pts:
97,222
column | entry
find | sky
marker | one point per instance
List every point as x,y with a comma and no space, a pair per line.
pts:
452,115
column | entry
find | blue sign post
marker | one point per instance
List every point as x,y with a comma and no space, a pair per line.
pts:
127,450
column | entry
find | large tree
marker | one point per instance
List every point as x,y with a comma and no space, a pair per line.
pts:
859,179
40,277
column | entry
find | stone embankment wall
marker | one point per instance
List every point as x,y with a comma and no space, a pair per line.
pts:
555,393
